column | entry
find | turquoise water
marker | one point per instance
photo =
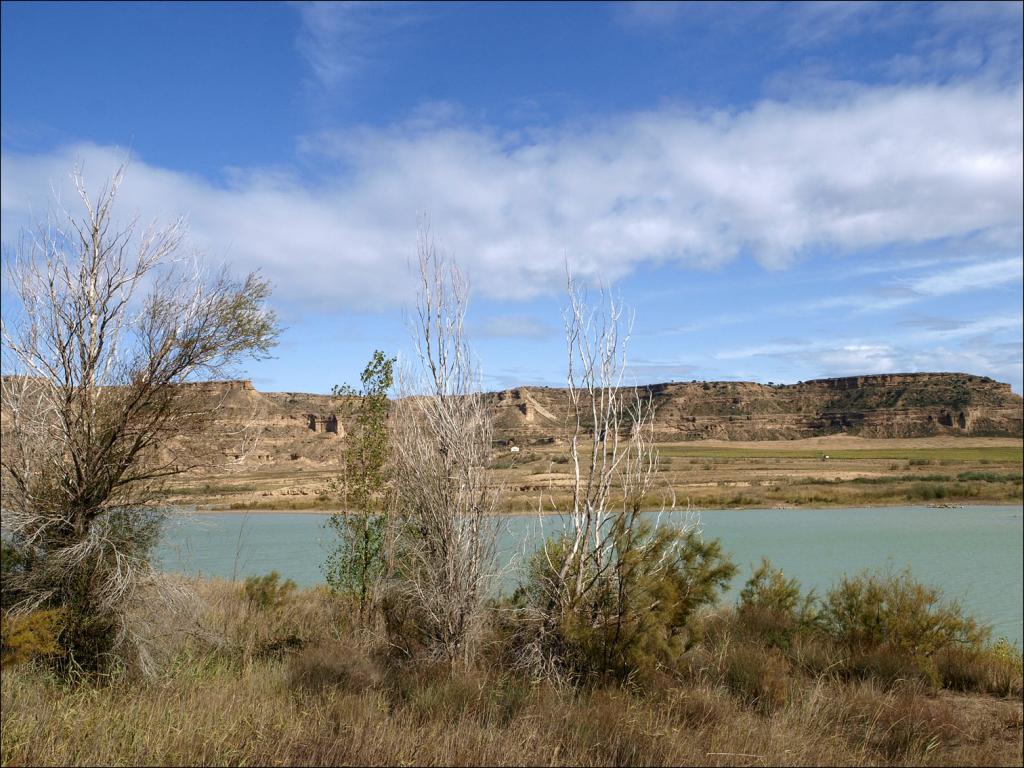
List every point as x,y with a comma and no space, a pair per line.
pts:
975,554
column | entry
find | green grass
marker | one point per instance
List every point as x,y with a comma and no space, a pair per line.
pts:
282,503
209,489
995,453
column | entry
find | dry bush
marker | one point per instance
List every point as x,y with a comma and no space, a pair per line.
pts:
698,707
245,714
993,669
759,677
267,591
443,526
230,626
447,699
340,701
892,666
817,654
906,724
106,331
30,636
332,666
605,727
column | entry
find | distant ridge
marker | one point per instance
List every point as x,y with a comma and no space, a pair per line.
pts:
891,405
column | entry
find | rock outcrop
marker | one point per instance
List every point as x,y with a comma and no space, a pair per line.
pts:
288,426
879,406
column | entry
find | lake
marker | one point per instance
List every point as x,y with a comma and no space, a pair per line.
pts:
974,553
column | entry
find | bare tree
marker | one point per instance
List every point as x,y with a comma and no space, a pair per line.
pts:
612,459
444,528
110,328
616,584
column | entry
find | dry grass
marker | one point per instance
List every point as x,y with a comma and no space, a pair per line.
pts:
294,685
711,474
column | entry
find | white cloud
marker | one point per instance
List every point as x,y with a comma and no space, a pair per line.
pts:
887,166
770,349
514,326
859,358
937,329
835,357
339,39
973,277
981,354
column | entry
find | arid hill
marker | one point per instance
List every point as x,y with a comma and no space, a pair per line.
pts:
881,406
284,449
305,427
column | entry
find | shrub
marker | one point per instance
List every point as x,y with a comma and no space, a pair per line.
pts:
11,563
768,588
759,677
993,669
873,611
29,636
989,477
331,665
815,653
764,626
911,725
638,616
892,666
772,607
267,591
927,491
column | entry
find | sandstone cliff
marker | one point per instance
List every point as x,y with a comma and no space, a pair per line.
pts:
306,428
880,406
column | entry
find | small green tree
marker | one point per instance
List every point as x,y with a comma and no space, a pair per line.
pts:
881,609
636,616
356,564
773,609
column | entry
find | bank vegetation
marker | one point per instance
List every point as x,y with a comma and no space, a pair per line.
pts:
614,647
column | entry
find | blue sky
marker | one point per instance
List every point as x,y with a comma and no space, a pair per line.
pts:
779,192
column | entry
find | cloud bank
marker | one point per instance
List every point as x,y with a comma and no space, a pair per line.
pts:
883,166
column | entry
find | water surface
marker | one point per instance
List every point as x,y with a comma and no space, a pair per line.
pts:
975,554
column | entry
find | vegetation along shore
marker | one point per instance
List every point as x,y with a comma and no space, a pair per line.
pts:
614,647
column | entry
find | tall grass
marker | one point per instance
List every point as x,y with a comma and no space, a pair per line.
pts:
288,681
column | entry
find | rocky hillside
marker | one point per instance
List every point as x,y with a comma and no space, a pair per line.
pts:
305,428
891,405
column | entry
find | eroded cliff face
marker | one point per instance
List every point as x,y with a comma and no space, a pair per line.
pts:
877,406
882,406
279,427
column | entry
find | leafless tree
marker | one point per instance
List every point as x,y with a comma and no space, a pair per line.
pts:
612,459
600,576
444,527
110,329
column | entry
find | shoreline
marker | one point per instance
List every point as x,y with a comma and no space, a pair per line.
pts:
533,513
